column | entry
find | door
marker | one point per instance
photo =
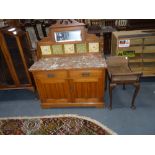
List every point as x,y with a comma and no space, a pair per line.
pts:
6,79
52,86
87,85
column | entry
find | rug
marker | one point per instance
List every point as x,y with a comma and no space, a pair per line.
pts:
53,125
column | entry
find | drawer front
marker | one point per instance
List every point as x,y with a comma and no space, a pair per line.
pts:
137,49
149,49
150,40
85,73
51,74
136,41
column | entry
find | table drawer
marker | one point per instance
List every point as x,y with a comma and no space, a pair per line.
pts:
51,74
85,73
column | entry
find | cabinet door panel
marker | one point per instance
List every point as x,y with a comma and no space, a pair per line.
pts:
53,90
5,76
16,58
88,90
85,89
26,50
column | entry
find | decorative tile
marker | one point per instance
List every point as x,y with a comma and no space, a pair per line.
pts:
93,47
69,48
57,49
46,50
81,48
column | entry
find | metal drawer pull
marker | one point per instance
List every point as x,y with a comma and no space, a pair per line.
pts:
85,74
51,75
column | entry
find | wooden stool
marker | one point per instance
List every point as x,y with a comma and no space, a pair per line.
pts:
119,73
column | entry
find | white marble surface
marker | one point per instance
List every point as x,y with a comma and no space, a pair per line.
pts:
70,62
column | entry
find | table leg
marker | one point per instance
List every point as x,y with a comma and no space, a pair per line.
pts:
111,87
137,87
123,86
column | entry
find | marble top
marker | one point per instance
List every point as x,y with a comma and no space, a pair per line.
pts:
70,62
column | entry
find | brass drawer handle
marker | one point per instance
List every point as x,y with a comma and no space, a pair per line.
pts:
85,74
50,75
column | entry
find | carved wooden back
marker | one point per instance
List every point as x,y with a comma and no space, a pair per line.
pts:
58,42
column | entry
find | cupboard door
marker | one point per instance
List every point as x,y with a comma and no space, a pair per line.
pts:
88,87
16,58
5,76
26,50
52,87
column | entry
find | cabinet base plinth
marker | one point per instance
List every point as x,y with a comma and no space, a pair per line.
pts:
61,105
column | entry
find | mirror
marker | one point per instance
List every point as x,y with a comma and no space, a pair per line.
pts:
67,36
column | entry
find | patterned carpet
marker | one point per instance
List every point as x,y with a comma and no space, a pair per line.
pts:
53,125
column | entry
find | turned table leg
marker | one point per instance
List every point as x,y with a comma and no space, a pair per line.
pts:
137,87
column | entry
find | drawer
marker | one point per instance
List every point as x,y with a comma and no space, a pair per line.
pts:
150,40
149,49
137,49
51,74
85,73
136,41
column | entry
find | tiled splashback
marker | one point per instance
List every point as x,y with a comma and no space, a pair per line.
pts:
70,48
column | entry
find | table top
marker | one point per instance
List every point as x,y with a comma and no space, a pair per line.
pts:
70,62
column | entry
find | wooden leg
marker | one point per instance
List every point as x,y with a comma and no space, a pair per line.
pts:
123,86
111,87
137,87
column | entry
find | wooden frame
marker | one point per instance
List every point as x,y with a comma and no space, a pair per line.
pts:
119,73
142,42
70,26
70,86
10,62
70,29
66,25
70,79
